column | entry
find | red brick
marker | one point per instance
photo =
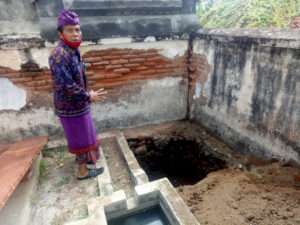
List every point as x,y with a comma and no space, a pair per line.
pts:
192,69
24,70
111,75
3,71
32,74
110,57
10,75
129,56
148,55
39,78
149,63
21,80
113,85
49,82
164,71
123,52
94,54
90,83
133,65
30,88
137,51
97,68
34,69
168,66
9,70
35,83
101,63
47,72
89,73
141,68
44,88
149,72
97,77
155,59
123,70
88,65
92,59
112,67
121,61
152,50
160,66
136,60
96,87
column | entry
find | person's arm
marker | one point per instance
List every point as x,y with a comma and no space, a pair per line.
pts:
60,69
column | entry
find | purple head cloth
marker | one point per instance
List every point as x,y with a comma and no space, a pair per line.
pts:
66,18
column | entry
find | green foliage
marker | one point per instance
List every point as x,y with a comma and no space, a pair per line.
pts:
85,214
63,181
43,170
33,199
251,13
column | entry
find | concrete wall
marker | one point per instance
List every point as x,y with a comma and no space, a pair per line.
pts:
147,83
245,88
18,17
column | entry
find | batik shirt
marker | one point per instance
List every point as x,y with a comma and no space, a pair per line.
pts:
68,81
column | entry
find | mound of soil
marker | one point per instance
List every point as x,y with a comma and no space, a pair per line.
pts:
264,194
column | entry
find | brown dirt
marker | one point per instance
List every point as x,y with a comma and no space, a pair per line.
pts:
267,194
250,191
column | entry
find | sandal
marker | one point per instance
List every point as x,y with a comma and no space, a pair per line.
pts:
89,162
92,173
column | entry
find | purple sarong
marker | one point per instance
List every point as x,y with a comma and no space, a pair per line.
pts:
82,137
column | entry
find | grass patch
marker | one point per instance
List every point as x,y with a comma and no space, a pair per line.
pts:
43,170
63,181
85,214
33,199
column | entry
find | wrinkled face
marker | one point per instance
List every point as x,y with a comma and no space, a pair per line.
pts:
71,33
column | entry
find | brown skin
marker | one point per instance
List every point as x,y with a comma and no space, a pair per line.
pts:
74,34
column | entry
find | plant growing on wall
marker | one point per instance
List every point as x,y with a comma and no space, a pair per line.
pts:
249,13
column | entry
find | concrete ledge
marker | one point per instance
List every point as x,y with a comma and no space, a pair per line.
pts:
160,192
273,37
169,200
137,174
104,181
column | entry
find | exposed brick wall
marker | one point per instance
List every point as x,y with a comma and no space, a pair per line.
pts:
295,22
198,69
110,68
30,77
114,67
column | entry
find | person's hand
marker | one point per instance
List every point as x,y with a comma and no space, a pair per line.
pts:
97,95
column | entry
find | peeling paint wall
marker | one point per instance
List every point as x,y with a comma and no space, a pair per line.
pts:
11,97
146,83
246,90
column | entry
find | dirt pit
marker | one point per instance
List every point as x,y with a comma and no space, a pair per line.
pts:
219,185
183,162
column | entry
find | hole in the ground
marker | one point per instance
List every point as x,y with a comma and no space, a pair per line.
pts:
183,162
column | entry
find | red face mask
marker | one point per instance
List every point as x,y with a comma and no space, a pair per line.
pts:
72,44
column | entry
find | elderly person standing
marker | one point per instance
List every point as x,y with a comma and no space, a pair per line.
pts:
71,99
